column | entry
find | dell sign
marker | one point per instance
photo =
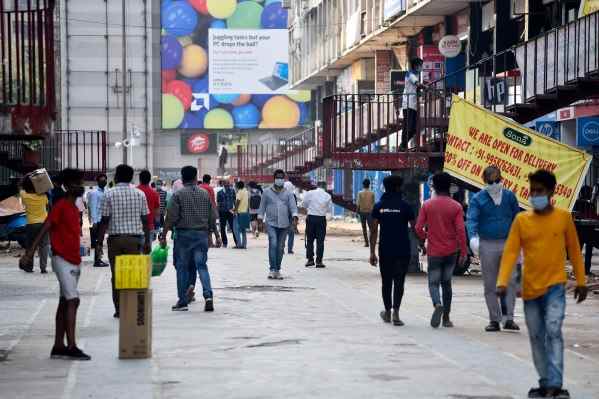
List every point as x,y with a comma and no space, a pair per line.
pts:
587,132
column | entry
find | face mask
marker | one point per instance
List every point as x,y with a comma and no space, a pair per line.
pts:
279,182
494,189
539,202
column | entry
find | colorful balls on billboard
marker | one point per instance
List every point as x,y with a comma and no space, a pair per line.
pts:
168,75
246,16
242,100
200,85
171,52
218,119
185,40
304,113
261,99
201,6
226,98
194,62
280,113
221,9
246,116
274,17
182,91
218,24
193,120
267,2
172,111
300,96
179,18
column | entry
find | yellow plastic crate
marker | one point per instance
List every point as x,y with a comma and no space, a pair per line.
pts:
133,272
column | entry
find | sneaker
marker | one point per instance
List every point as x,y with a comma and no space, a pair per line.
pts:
180,308
386,316
493,327
537,393
191,295
309,263
277,276
116,315
436,317
58,353
290,252
271,275
76,354
447,322
209,306
100,264
396,320
27,269
44,271
511,325
320,265
557,393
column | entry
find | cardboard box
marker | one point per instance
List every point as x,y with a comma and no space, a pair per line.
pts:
41,181
135,324
133,272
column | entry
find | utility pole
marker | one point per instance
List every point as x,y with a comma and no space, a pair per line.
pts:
124,82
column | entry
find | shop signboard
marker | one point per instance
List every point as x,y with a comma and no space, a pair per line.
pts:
587,132
549,129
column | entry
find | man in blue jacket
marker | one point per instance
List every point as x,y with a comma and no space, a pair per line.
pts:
489,219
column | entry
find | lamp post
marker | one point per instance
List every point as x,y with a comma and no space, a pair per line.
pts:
129,142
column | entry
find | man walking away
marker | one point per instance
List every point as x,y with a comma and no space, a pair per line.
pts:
255,198
206,179
490,216
242,216
125,218
94,209
317,203
65,231
226,206
364,204
292,228
277,209
152,198
443,219
36,211
190,212
410,103
547,236
393,214
584,208
163,196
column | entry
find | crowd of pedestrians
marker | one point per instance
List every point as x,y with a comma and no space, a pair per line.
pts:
521,252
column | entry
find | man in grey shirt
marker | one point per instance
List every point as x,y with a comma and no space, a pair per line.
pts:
278,210
191,212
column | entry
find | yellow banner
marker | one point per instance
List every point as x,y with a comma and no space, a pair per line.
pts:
588,7
478,138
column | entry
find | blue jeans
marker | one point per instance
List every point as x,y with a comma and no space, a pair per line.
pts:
276,243
241,234
544,318
440,271
191,255
290,238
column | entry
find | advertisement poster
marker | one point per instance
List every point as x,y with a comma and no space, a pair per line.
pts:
587,132
478,138
224,65
198,143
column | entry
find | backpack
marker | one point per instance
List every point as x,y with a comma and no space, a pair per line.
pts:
255,200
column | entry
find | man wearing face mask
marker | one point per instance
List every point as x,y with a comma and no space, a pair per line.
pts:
547,236
278,210
94,209
489,218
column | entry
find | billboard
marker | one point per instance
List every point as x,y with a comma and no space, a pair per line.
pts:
225,65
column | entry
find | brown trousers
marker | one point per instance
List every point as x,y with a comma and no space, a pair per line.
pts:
121,245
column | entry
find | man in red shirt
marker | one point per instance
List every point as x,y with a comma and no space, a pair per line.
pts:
206,186
152,198
63,225
441,223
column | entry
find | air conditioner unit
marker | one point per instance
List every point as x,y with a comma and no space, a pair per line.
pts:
286,4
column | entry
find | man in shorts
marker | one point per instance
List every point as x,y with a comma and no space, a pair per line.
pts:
65,231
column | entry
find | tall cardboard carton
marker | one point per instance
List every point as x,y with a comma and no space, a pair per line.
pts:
41,181
135,324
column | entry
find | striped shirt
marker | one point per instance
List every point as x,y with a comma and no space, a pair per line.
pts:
125,205
191,208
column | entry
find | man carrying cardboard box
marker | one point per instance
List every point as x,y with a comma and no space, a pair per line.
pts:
63,226
125,217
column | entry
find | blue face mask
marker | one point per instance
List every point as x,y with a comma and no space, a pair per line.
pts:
279,182
539,202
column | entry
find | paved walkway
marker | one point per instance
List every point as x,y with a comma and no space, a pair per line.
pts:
317,334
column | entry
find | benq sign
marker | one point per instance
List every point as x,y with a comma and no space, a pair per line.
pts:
450,46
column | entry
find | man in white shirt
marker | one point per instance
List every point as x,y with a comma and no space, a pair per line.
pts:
317,204
410,103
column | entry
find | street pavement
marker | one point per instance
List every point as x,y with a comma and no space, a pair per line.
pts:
316,334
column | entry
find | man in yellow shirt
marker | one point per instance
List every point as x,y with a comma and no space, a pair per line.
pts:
364,205
36,210
242,216
546,235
